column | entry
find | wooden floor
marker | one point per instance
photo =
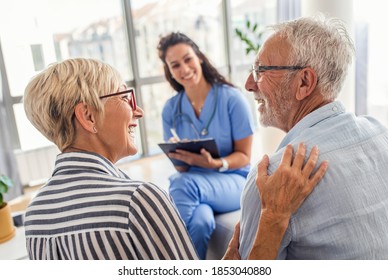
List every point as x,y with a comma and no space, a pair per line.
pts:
154,169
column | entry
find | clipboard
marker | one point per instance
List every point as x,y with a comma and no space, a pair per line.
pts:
194,146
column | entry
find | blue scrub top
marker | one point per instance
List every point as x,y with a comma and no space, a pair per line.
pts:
232,119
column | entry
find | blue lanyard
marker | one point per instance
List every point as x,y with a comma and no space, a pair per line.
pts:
205,130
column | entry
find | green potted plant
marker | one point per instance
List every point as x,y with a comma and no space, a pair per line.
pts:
7,228
252,38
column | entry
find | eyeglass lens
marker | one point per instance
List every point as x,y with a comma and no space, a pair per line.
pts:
257,69
131,100
254,71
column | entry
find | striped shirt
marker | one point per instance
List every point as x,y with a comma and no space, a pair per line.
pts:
90,209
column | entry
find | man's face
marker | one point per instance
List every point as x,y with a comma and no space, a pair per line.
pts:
272,90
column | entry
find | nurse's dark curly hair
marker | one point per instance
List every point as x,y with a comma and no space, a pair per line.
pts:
210,73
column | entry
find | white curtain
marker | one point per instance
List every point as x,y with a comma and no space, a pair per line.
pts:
288,10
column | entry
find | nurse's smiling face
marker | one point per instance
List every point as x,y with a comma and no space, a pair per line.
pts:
184,65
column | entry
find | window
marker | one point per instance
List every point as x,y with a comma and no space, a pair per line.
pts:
46,31
153,97
37,57
372,84
261,12
201,20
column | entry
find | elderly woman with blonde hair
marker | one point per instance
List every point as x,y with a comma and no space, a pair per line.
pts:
90,209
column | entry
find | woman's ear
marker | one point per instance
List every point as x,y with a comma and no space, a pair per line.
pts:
307,83
86,117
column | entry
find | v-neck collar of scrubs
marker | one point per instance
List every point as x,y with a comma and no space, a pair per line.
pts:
206,112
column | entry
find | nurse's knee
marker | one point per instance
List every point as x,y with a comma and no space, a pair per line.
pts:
203,221
203,226
183,185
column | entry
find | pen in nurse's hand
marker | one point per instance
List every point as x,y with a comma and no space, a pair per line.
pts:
173,131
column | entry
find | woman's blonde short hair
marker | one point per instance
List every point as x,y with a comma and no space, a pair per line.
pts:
51,96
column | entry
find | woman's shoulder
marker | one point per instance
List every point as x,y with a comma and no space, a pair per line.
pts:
152,189
232,95
229,90
172,101
174,97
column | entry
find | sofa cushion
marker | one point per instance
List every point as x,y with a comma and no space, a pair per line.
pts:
221,236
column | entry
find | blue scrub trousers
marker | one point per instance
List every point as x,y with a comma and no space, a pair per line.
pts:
198,195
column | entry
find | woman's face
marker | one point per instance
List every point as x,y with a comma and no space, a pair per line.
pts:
184,65
117,127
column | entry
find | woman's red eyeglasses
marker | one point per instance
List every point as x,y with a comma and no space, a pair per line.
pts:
131,100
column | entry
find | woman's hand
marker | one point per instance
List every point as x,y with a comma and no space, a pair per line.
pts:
240,156
173,140
204,159
284,191
181,168
281,195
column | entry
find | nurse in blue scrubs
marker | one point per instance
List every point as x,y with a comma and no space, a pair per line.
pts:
205,106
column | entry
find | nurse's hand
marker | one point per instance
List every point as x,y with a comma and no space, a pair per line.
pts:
181,168
204,159
173,140
176,140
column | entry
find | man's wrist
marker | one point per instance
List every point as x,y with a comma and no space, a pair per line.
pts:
275,219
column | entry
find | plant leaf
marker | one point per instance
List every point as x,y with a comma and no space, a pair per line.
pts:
238,32
3,188
253,31
5,183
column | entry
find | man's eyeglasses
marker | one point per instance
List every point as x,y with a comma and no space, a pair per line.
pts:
131,99
257,69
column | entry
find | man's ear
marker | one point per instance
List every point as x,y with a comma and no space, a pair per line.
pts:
85,116
307,83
